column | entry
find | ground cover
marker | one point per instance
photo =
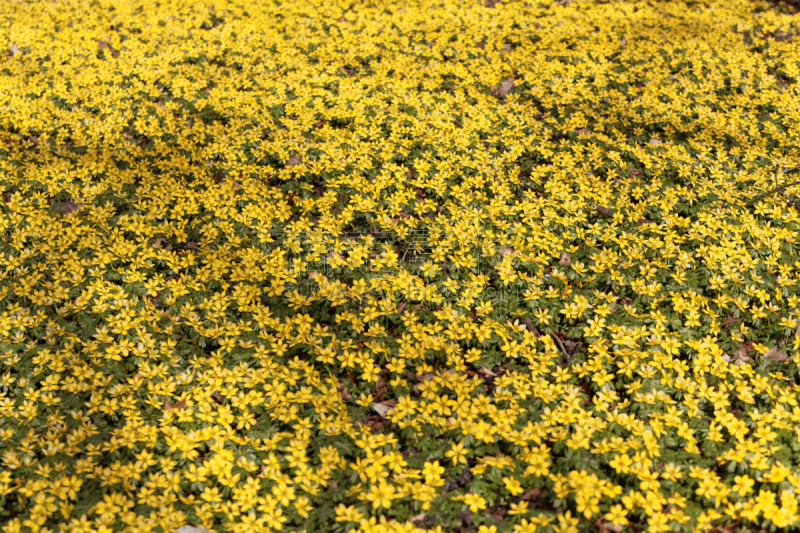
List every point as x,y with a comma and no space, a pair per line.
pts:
392,266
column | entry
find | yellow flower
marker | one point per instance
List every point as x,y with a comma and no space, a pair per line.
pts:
617,515
518,508
381,495
474,502
566,524
432,472
457,453
513,486
347,514
743,485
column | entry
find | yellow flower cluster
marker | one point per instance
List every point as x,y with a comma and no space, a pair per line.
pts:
386,266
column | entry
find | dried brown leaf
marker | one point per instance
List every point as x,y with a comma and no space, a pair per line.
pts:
417,518
176,407
383,408
777,355
566,260
466,517
502,90
740,356
68,207
607,527
531,494
191,529
488,373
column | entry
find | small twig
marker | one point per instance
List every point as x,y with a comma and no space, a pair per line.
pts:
778,188
561,347
791,201
608,212
605,211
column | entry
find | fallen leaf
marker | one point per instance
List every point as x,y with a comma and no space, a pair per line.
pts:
217,397
68,207
191,529
102,45
294,161
488,373
777,355
531,494
466,516
383,408
381,384
375,425
607,527
654,142
566,260
491,3
14,50
417,518
177,407
502,90
740,357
